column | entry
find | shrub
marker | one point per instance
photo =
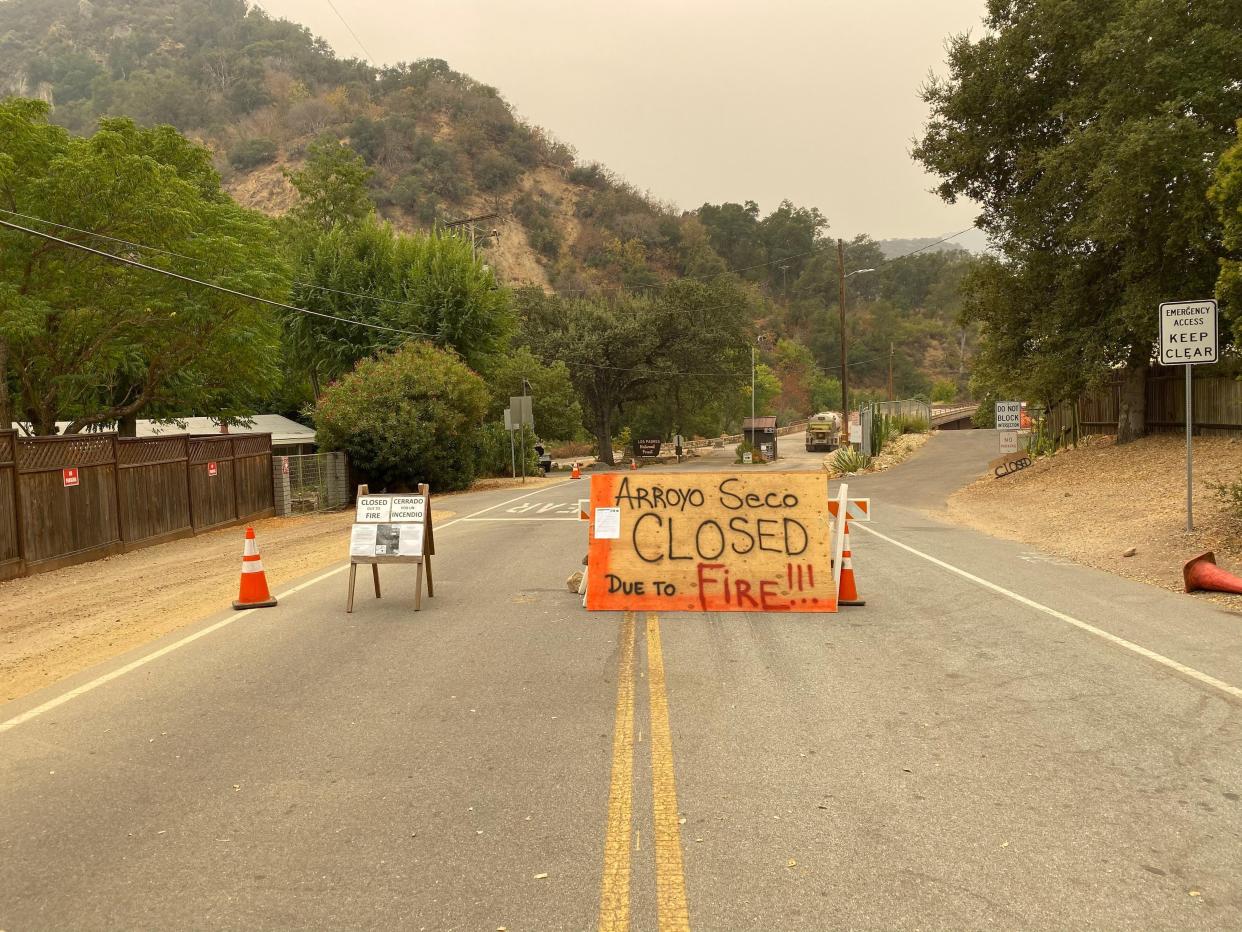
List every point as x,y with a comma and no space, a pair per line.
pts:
251,153
1230,493
747,447
593,175
909,424
848,460
496,172
407,417
497,457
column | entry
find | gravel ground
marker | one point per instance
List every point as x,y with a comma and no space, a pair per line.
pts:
1094,503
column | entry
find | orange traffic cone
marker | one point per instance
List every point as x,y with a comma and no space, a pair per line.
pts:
848,593
254,592
1203,573
577,473
633,464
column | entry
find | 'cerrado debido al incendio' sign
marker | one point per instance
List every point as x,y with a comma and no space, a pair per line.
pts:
710,542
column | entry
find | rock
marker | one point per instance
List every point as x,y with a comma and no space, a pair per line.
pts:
1131,552
573,582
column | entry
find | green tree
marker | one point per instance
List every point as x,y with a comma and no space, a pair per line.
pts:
430,286
332,187
1226,195
407,417
768,389
944,391
90,341
1088,130
687,346
558,415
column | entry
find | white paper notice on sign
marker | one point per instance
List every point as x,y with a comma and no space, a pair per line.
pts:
1009,441
407,508
608,523
373,509
411,542
1188,334
362,540
855,433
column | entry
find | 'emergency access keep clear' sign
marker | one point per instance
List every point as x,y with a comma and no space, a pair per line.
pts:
1188,332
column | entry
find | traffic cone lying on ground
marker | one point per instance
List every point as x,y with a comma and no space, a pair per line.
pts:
254,592
577,473
1203,573
848,593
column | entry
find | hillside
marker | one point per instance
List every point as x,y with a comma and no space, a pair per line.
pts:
257,91
441,146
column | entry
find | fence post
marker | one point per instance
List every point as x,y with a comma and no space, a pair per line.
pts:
18,526
116,488
281,493
236,480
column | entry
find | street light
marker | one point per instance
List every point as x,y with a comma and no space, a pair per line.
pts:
845,372
760,340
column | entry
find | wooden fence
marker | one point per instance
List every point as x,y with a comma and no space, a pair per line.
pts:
70,499
1217,407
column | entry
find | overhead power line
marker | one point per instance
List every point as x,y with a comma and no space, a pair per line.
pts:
124,260
345,22
198,261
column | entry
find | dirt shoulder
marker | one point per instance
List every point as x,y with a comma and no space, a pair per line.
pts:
56,624
1093,504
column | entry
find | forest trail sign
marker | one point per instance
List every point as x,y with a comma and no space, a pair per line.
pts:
710,542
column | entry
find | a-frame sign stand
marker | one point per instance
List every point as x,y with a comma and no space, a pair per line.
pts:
421,560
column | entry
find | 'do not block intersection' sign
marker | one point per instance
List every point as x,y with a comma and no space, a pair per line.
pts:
710,542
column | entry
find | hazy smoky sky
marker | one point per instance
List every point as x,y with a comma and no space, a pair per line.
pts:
702,100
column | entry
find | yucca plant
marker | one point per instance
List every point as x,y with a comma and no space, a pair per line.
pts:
848,459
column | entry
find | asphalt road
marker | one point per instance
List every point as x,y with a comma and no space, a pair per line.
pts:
997,740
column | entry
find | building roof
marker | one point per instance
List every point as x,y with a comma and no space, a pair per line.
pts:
758,423
283,430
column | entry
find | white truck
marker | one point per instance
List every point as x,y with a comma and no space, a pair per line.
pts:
823,432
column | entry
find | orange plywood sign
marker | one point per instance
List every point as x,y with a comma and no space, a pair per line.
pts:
714,542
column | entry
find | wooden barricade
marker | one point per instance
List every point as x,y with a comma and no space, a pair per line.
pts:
718,542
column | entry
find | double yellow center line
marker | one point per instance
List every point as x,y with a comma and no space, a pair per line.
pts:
614,906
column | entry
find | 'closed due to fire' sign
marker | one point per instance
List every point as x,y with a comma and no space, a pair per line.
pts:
710,543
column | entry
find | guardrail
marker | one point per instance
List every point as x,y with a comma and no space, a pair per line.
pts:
948,415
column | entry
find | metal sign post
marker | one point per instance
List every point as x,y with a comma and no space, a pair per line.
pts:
522,415
512,448
1189,336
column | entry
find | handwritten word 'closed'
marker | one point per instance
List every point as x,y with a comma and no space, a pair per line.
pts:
657,538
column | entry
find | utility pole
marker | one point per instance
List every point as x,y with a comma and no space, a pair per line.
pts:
470,222
752,390
890,372
845,372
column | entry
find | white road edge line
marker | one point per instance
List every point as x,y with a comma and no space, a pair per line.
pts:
225,622
1181,668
